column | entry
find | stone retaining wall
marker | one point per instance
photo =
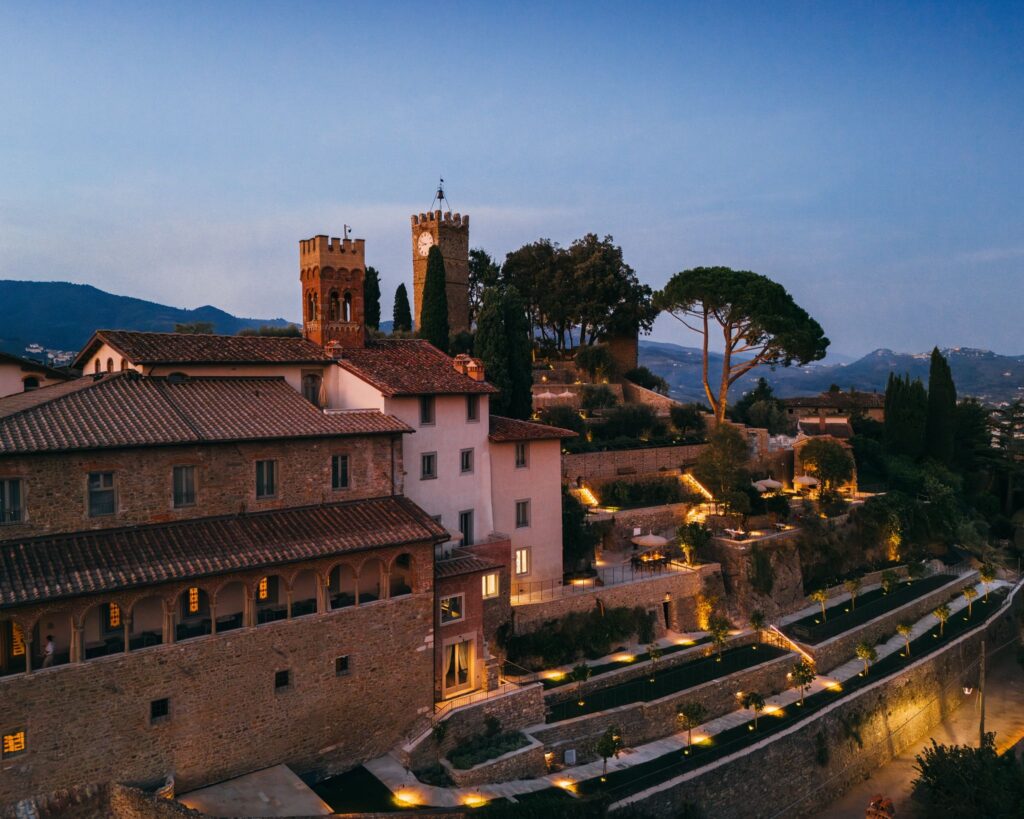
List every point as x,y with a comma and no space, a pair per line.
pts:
839,649
659,520
596,466
646,721
523,763
889,717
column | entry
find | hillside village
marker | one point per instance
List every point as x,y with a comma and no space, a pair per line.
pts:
489,564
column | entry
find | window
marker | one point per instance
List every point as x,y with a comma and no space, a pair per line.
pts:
14,743
17,641
184,486
472,407
110,365
311,386
159,710
428,466
112,621
521,455
452,609
466,461
266,590
347,314
339,472
333,310
282,679
266,479
426,409
96,367
101,494
466,527
490,585
341,665
523,560
194,603
10,500
522,514
30,383
458,663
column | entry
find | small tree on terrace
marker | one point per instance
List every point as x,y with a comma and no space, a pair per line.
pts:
866,653
687,418
757,621
988,576
718,629
915,570
852,587
689,715
596,361
828,461
653,654
941,614
722,466
820,596
801,676
609,745
580,674
692,538
758,320
969,594
904,630
889,580
753,701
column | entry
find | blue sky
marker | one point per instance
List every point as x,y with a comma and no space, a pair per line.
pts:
868,156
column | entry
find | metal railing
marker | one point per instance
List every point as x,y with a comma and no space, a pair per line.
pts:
442,708
543,590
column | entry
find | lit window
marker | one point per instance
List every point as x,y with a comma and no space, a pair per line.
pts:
13,743
193,600
426,409
522,514
466,461
17,641
266,479
263,590
472,407
520,455
523,560
466,527
490,585
101,494
339,472
451,608
184,486
428,466
10,500
113,616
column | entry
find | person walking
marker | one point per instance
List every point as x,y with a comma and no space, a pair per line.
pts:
48,651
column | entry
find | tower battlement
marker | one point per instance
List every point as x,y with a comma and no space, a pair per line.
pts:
321,245
456,221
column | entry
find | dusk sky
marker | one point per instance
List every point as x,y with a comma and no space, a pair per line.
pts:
870,157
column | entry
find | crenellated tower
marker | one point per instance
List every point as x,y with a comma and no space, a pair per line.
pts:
332,272
451,234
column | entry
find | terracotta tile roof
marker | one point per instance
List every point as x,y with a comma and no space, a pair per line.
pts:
462,562
408,367
30,366
128,410
512,429
47,568
835,426
186,348
837,400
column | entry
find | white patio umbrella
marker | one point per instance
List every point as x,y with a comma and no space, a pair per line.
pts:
767,485
566,394
805,480
650,541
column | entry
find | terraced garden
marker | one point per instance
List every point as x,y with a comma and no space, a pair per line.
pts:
626,660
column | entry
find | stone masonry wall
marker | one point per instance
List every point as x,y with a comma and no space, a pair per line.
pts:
737,562
837,650
646,721
89,801
658,520
56,499
887,717
90,722
525,763
595,466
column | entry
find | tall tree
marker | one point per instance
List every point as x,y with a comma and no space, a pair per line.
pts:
940,426
371,298
906,413
722,466
402,315
828,461
483,273
434,325
759,322
503,342
542,275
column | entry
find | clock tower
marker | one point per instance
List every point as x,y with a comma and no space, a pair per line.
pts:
450,232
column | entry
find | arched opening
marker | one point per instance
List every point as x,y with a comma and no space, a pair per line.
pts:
304,593
30,383
269,599
342,586
124,364
96,366
231,607
193,614
102,631
371,577
311,306
348,307
147,624
400,581
110,365
51,637
334,310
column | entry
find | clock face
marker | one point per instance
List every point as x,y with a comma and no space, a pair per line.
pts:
424,243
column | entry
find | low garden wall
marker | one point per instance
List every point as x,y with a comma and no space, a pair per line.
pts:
799,772
523,763
597,466
642,722
869,579
659,520
837,650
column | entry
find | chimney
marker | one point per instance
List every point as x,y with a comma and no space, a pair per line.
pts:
461,363
475,369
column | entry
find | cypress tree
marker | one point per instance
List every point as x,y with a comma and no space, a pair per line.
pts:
434,313
520,360
503,343
402,315
371,298
941,423
906,412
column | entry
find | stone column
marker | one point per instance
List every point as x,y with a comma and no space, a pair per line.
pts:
321,596
27,639
168,625
288,603
126,624
76,654
213,614
385,591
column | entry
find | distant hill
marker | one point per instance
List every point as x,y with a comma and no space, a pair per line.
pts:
62,316
989,376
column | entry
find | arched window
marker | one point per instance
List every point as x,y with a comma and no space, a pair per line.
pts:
124,365
348,306
30,383
96,367
110,365
311,306
334,311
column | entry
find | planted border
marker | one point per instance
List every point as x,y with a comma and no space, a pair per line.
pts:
619,665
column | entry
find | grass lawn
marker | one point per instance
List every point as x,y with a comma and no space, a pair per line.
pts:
842,616
615,665
357,791
667,681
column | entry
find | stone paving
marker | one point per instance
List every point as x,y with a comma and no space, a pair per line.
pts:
404,784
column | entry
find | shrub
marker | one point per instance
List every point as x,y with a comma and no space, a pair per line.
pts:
596,361
436,775
688,419
597,396
643,377
631,421
482,748
762,576
564,417
650,492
